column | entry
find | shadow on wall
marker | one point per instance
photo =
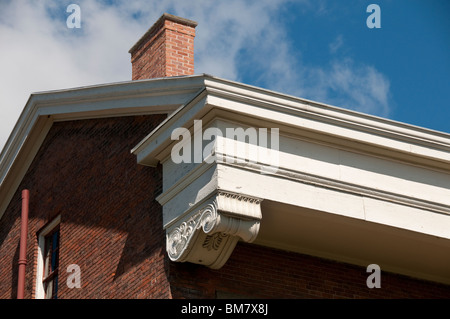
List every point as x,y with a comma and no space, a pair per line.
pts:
110,220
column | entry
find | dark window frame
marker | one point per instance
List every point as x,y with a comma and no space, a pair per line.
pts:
51,263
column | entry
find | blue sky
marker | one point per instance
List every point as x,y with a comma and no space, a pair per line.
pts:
316,49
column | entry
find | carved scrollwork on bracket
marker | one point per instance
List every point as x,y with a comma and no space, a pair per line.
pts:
178,239
209,235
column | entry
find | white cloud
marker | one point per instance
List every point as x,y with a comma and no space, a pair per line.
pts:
362,87
336,44
234,38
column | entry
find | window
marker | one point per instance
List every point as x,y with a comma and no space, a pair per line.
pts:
51,263
48,261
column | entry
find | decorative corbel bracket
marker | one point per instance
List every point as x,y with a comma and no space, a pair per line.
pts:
209,234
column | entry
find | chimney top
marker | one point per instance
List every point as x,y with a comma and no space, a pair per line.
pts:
166,49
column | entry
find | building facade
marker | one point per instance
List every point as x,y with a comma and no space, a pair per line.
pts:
175,185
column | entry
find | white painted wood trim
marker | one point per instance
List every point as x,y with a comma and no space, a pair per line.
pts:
40,293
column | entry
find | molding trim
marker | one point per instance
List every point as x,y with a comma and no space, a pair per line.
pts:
209,235
152,96
351,188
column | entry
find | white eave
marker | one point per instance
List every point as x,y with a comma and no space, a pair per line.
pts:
344,176
345,181
341,127
106,100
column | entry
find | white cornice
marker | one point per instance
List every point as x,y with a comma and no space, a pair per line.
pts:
326,113
235,211
342,186
161,96
341,127
343,164
198,96
304,119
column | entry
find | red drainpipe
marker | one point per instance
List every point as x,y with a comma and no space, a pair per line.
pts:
23,244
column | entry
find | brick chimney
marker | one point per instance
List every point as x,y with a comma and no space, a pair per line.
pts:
166,49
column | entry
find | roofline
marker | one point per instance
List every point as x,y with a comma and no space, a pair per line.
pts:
42,109
337,109
415,140
171,96
105,91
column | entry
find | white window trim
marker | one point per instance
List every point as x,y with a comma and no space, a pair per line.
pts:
40,292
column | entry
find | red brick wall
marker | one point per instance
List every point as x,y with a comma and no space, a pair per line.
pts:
110,220
111,226
260,272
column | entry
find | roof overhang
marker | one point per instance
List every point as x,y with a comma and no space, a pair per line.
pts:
155,96
347,186
344,181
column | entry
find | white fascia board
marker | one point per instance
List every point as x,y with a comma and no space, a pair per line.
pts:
335,126
299,106
152,96
144,96
149,150
329,121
